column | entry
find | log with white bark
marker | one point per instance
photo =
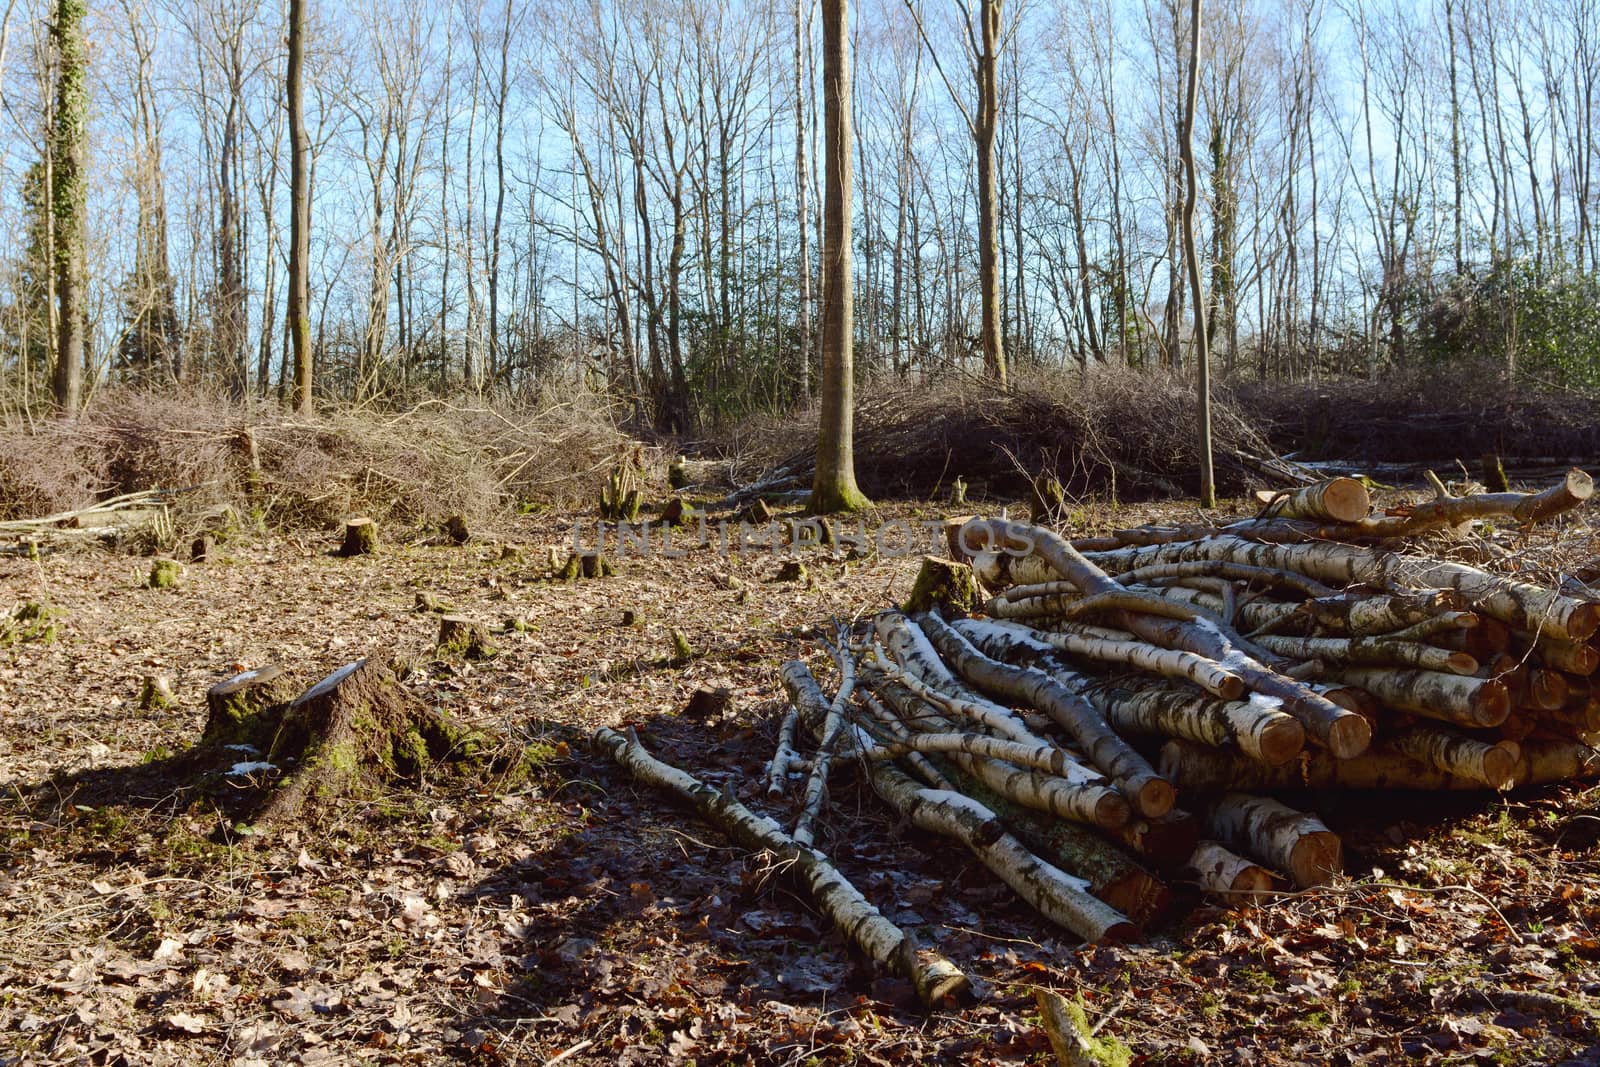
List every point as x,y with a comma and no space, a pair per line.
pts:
1296,843
934,977
785,757
1068,709
1149,706
1195,767
1078,793
1471,702
1495,765
1342,732
1059,896
817,783
1334,500
1378,651
1574,657
1225,874
1521,604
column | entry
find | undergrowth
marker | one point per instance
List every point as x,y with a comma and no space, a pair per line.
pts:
414,466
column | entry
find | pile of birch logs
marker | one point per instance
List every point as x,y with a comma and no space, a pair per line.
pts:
1118,712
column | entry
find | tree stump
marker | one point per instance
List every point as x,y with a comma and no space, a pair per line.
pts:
678,473
164,574
428,604
350,733
455,528
586,565
792,570
155,693
1047,498
236,705
958,492
360,537
679,512
461,636
201,550
759,513
943,584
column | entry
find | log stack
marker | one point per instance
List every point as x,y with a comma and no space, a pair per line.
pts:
1148,706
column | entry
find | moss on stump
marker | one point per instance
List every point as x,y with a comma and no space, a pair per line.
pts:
586,565
943,584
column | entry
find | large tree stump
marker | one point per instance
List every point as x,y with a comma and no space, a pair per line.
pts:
360,537
349,734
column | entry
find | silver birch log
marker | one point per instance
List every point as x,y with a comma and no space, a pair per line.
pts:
1521,604
934,977
784,759
1057,895
1471,702
1334,500
1295,843
1376,651
1224,874
1068,709
1495,765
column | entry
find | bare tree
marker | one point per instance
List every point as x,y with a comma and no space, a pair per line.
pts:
834,487
299,312
68,200
1202,353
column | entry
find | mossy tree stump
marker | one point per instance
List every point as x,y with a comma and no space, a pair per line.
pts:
679,512
455,528
155,693
461,636
759,513
235,706
622,496
349,734
943,584
586,565
202,548
360,537
164,574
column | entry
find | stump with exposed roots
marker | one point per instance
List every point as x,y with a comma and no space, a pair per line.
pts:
349,734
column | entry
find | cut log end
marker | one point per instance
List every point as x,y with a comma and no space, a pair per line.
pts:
1152,796
1346,500
1280,741
1316,858
1500,765
1222,873
1112,811
1349,736
1491,705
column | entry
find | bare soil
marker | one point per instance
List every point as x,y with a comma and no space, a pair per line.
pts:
500,917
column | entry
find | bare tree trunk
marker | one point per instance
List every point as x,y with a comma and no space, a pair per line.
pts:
68,189
299,313
985,122
834,488
1202,355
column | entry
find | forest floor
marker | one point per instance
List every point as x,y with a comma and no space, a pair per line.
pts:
575,916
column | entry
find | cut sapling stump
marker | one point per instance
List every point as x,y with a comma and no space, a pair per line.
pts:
584,565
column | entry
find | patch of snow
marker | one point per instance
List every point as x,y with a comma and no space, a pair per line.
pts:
251,767
1266,702
249,749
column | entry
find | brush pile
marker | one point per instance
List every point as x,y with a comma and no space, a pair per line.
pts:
1120,709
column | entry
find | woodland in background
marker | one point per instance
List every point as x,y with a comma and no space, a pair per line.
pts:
625,194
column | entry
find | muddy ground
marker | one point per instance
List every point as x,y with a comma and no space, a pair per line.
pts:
558,912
